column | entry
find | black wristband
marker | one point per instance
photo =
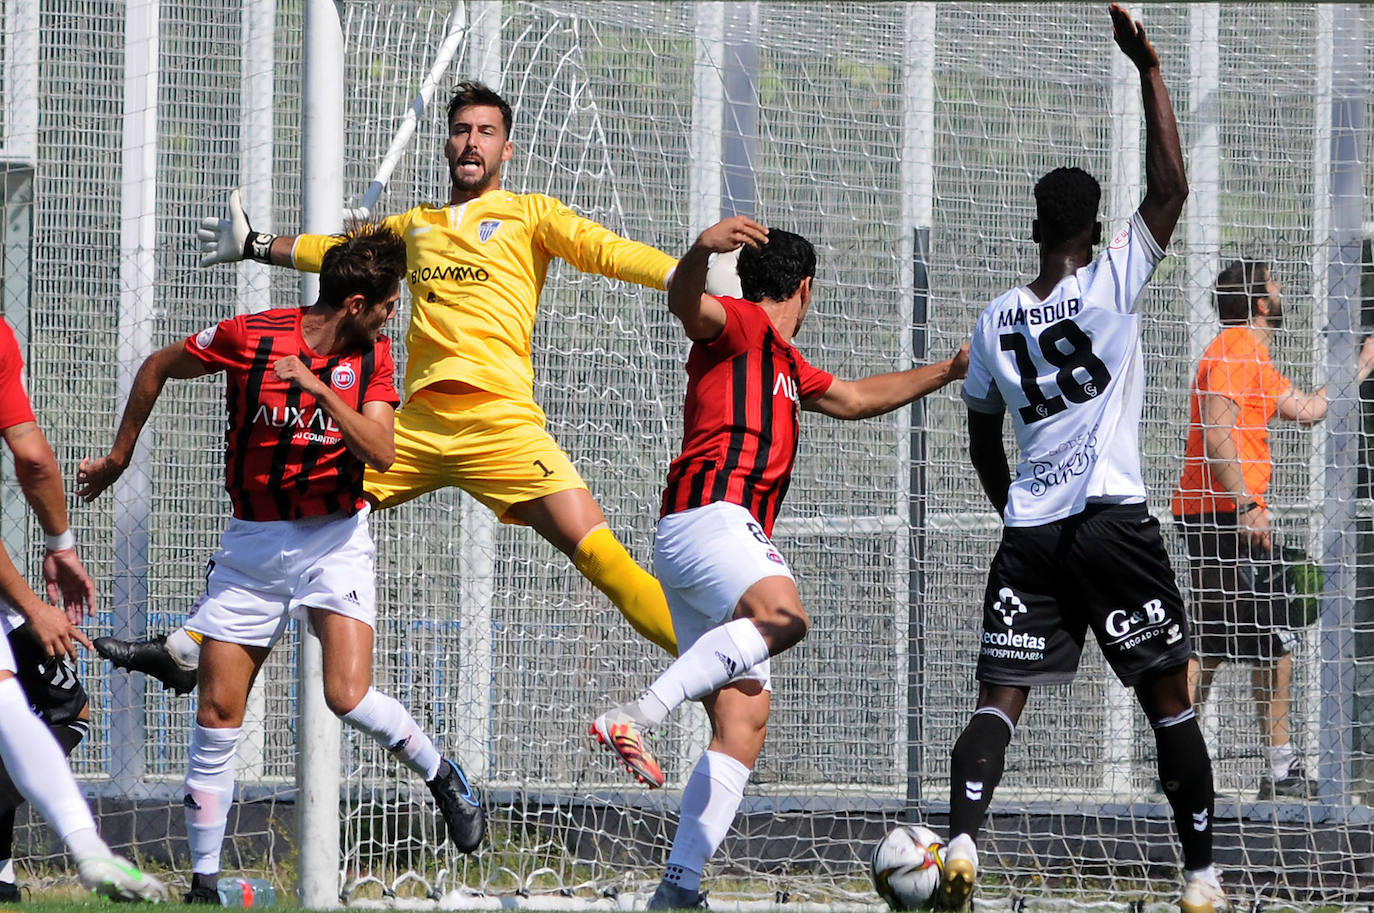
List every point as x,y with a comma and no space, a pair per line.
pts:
1246,508
258,246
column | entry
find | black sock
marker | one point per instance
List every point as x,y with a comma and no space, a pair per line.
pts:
975,769
1185,771
204,881
7,834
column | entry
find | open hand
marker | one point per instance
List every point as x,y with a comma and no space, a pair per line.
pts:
66,578
223,240
54,631
1130,37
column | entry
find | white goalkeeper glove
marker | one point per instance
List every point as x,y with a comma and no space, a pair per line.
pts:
722,277
232,239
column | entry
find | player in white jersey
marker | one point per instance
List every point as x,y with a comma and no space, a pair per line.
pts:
1079,548
34,765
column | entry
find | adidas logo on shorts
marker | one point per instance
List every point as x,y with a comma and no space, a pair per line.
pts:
729,664
353,597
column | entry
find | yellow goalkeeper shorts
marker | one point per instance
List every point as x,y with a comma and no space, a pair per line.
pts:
493,447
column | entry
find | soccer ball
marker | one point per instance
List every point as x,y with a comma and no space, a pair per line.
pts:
906,867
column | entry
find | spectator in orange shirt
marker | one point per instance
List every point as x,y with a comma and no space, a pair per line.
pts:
1220,505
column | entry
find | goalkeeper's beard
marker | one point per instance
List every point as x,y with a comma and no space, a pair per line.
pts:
488,179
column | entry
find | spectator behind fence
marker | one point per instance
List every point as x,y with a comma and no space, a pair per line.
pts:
1221,508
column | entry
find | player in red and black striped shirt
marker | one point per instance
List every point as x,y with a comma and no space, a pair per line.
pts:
284,454
310,399
740,419
733,600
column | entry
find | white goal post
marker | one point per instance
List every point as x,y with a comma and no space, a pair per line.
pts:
904,140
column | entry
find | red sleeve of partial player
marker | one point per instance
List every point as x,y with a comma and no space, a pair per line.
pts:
222,346
814,381
14,399
382,386
734,336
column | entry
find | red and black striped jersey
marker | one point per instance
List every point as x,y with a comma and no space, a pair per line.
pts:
14,400
740,420
284,457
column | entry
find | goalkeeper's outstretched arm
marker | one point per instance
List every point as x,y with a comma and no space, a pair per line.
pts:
233,239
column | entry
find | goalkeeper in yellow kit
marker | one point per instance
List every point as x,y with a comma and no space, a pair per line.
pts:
475,268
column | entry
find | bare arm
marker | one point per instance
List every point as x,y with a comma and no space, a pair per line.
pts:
881,393
1219,415
988,455
1166,181
35,466
1310,408
96,474
702,315
1303,408
369,434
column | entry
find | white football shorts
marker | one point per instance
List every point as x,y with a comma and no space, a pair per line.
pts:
706,558
266,572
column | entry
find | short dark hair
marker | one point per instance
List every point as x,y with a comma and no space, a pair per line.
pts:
1066,202
475,93
776,269
369,261
1239,287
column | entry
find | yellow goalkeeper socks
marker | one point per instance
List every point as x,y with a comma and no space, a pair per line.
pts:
603,560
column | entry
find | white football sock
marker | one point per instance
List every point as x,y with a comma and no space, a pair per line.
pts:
1281,760
37,765
209,793
710,801
7,871
717,657
383,718
185,650
1209,875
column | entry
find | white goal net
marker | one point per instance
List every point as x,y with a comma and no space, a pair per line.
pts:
903,140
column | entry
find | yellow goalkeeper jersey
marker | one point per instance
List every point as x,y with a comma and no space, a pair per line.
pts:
475,272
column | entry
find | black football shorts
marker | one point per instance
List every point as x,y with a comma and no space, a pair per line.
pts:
1104,568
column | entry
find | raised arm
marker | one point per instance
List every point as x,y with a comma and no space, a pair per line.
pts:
880,393
701,314
96,474
1166,181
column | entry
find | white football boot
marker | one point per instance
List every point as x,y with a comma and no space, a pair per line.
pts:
119,879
